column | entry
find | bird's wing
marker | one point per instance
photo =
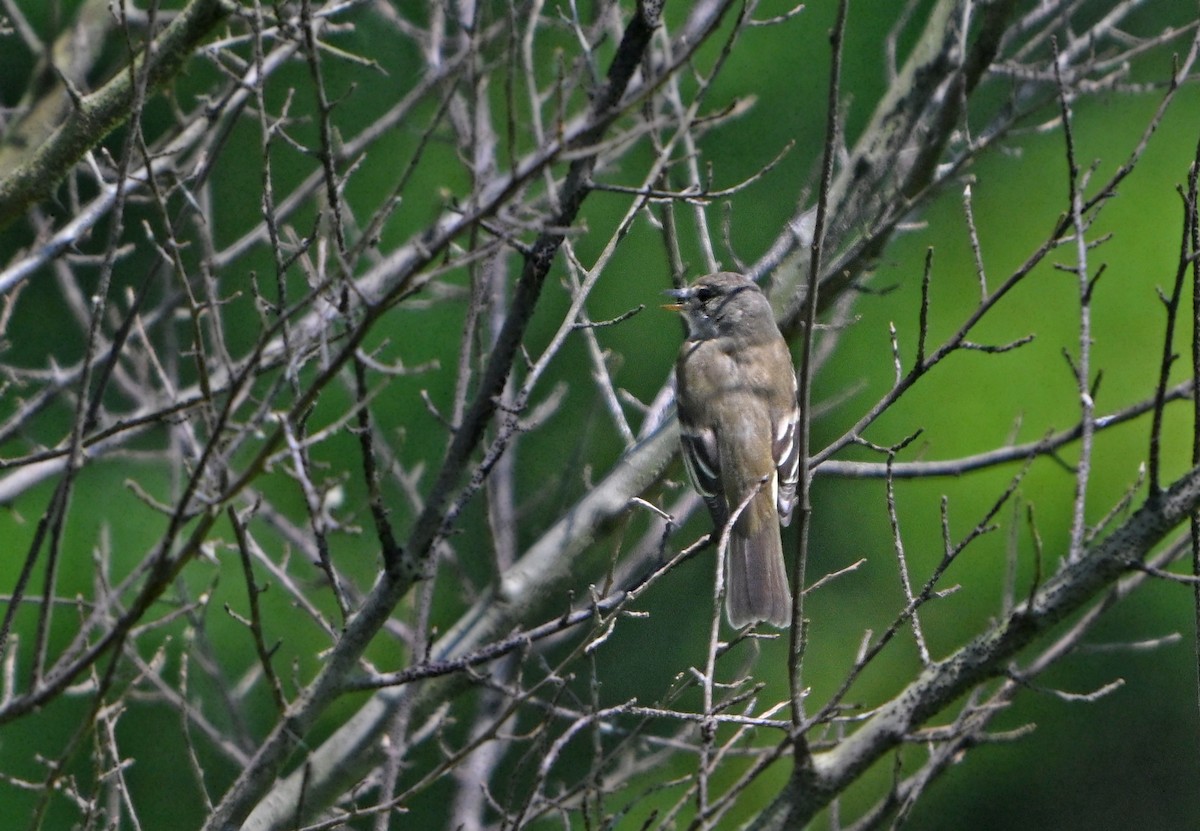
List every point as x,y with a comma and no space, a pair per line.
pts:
703,466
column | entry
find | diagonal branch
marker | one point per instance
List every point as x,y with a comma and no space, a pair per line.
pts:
986,656
415,558
98,114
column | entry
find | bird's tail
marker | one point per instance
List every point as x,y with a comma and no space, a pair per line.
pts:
757,584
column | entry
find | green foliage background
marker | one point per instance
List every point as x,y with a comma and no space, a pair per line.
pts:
1126,760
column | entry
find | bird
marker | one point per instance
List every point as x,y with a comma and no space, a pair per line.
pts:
738,416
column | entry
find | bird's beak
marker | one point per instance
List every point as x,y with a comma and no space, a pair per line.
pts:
679,295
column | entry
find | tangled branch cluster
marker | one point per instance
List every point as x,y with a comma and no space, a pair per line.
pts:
307,275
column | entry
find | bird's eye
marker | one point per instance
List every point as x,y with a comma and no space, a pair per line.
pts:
705,293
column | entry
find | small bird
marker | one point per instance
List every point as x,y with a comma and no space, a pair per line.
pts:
738,416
